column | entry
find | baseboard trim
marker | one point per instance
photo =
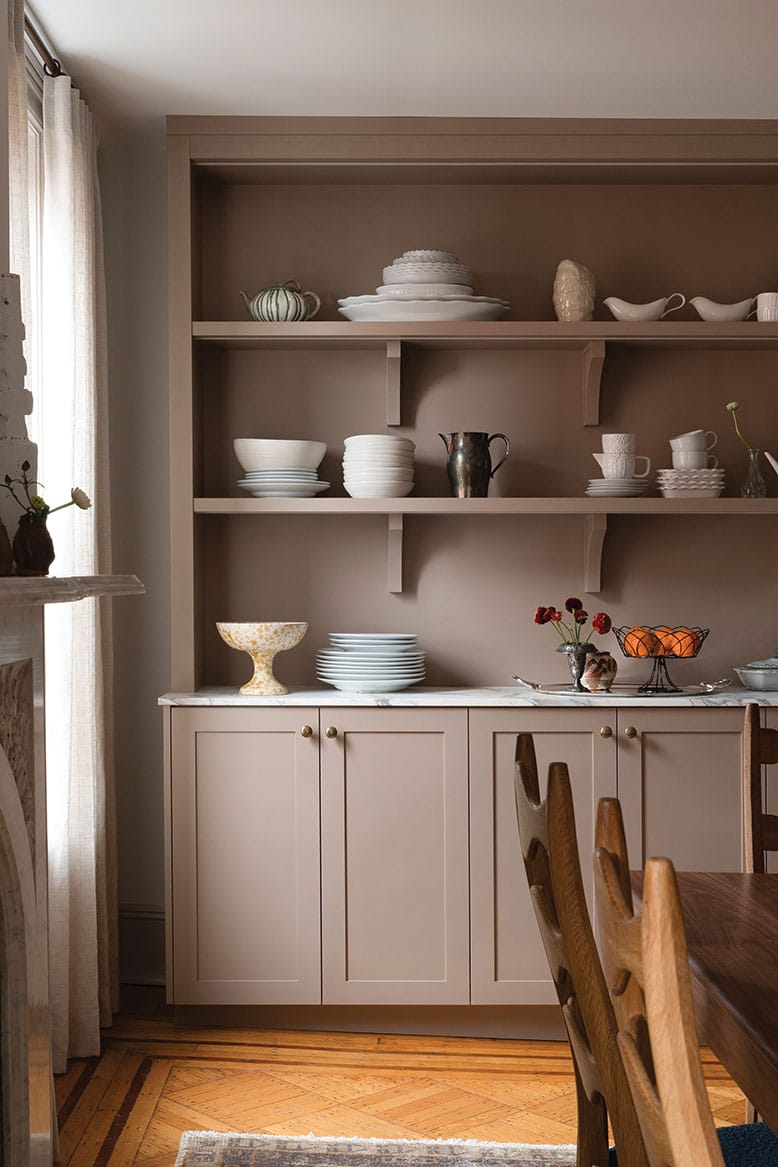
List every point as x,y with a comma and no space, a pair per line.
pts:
141,944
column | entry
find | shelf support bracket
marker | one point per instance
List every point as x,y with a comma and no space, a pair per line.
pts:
594,537
393,381
593,360
395,553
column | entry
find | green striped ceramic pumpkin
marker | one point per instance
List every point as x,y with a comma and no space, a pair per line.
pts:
283,302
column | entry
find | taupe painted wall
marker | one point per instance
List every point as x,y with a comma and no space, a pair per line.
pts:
134,177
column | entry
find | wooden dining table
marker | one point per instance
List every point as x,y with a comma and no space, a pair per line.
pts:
731,924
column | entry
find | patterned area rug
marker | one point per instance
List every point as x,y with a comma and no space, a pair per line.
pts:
208,1149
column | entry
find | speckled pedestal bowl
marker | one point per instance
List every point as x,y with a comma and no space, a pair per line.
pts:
262,642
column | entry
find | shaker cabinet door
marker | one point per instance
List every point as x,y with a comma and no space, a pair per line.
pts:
245,856
680,786
509,965
394,856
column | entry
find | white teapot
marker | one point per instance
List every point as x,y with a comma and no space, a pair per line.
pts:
282,302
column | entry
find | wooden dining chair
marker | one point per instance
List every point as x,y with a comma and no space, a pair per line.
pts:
647,971
760,748
550,851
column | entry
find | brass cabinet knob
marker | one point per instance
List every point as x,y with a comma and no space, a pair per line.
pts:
306,731
606,731
630,731
330,731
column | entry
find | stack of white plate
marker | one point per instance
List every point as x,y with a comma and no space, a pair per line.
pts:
282,483
370,662
690,483
378,466
615,487
429,267
424,285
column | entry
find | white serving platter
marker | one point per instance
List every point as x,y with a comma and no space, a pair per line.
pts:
454,308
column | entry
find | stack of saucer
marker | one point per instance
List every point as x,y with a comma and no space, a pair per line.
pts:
370,662
378,466
615,487
283,483
690,483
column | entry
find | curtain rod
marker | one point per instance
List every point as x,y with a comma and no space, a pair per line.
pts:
51,65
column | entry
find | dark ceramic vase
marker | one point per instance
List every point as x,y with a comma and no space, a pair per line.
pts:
6,551
32,546
576,658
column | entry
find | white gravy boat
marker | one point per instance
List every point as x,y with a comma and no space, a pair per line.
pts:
656,310
710,310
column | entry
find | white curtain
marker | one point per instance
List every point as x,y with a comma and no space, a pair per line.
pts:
73,451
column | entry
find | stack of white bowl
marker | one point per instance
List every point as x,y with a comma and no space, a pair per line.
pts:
280,468
378,466
370,662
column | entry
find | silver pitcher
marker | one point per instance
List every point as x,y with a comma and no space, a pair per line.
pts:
469,462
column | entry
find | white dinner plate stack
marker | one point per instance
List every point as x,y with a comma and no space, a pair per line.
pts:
371,662
378,466
690,483
424,285
283,483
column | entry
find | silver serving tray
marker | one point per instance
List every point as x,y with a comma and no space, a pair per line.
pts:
625,690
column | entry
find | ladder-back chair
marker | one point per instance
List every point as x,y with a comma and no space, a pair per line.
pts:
647,971
550,851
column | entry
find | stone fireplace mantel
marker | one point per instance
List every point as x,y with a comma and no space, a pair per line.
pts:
29,1136
16,591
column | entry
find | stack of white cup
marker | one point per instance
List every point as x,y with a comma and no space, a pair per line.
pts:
695,472
624,472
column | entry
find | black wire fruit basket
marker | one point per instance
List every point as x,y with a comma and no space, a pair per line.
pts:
660,644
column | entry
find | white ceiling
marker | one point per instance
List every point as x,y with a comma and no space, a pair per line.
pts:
547,58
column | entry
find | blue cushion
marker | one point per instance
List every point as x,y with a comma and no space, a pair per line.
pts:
752,1144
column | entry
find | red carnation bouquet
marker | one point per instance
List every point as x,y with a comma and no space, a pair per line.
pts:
570,627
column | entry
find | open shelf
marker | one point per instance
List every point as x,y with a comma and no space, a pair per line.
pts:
693,334
594,512
591,338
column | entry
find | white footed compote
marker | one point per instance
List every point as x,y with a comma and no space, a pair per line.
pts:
262,642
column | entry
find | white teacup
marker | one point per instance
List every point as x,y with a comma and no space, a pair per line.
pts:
766,306
695,440
619,443
694,460
622,465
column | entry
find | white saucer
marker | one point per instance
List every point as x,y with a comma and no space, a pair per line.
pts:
284,489
615,487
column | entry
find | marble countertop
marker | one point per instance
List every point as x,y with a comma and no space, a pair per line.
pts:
490,695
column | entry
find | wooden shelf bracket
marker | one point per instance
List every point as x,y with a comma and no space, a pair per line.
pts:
393,381
394,554
593,360
594,537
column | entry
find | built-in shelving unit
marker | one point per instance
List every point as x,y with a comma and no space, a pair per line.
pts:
325,200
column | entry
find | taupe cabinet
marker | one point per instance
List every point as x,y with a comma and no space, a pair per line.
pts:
370,856
266,909
244,853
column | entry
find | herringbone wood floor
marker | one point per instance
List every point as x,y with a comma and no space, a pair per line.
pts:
156,1079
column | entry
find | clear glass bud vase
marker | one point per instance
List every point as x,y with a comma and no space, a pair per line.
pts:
753,482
